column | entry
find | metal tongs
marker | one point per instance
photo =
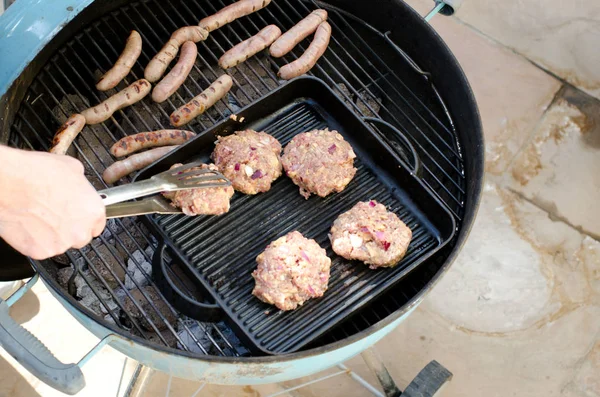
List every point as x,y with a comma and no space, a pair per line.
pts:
181,178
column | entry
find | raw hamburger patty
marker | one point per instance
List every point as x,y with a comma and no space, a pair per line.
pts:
290,271
319,162
203,201
249,159
370,233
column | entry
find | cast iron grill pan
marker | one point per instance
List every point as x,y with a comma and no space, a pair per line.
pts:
220,252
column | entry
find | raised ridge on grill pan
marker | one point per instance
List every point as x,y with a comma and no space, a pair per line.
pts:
221,252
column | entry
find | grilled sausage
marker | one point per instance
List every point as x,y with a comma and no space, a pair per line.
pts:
310,57
175,78
128,96
133,49
67,133
296,34
231,13
157,65
121,168
244,50
205,100
144,140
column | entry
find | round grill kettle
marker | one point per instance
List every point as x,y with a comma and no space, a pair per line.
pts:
34,38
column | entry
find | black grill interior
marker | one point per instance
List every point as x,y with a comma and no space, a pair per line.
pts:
362,65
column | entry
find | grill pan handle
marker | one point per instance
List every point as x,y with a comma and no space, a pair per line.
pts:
35,356
209,312
415,166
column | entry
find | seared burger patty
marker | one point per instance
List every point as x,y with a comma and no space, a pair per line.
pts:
370,233
249,159
290,271
319,162
202,201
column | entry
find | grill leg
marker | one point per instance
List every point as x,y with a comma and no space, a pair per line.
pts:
426,384
378,368
139,381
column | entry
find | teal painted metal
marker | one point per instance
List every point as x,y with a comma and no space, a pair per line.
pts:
229,370
26,27
21,291
435,10
103,342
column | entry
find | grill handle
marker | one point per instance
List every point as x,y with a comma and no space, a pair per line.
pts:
415,166
208,312
35,356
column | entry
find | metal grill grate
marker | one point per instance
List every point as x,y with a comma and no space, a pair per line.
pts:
359,73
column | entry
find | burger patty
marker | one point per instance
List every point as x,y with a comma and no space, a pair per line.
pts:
370,233
201,201
249,159
319,162
291,270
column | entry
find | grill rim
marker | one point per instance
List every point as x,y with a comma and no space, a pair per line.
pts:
474,163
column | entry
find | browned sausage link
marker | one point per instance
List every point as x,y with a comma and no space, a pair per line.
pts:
67,133
296,34
205,100
175,78
310,57
121,168
133,49
231,13
247,48
144,140
157,65
128,96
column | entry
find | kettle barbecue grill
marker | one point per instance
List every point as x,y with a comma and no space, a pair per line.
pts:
384,62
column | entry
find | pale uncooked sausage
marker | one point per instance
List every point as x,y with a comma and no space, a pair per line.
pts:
121,168
133,49
231,13
127,96
205,100
175,78
67,133
157,66
247,48
310,57
296,34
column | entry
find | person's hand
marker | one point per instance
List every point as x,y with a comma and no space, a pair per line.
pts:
46,204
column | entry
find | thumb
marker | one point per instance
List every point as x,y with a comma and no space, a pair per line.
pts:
74,164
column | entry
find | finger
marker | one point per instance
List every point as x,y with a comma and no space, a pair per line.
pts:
75,164
98,216
41,252
39,255
99,226
81,240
